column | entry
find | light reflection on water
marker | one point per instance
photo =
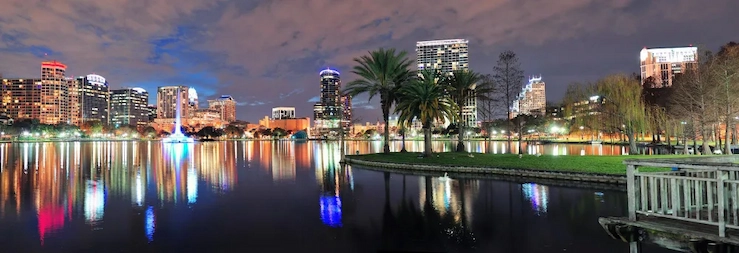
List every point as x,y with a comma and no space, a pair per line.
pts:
160,193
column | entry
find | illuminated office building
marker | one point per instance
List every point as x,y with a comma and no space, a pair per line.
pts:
167,102
448,56
55,95
663,64
129,107
94,98
332,109
226,105
532,100
21,98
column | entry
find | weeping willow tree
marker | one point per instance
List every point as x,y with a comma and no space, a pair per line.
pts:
623,109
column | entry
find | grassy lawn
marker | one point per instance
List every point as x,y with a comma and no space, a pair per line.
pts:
587,164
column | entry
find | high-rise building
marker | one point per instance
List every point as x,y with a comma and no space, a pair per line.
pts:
447,56
328,111
346,103
129,107
21,98
532,100
283,113
192,101
663,64
152,112
226,105
75,100
167,102
55,96
94,98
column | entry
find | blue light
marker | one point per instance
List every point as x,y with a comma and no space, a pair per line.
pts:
331,211
329,71
151,223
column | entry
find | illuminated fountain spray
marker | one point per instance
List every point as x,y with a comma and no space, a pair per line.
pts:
177,136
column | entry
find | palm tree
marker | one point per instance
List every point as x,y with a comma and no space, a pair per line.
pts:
382,73
464,85
425,99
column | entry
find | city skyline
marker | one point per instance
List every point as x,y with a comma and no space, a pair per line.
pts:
201,43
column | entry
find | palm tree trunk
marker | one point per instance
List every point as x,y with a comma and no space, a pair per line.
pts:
403,150
386,118
460,132
427,139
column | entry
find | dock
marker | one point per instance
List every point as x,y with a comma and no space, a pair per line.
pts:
692,208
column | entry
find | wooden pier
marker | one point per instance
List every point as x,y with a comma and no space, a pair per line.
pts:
692,208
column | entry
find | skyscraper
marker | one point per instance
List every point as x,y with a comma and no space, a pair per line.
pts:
167,102
663,64
532,100
21,98
226,105
55,96
329,108
192,101
129,107
94,98
448,56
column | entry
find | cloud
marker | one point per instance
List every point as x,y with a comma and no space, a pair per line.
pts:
314,99
262,51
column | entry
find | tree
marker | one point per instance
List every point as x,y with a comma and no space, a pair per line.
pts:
464,85
509,77
624,110
694,96
279,132
489,108
233,131
426,100
149,131
725,71
382,73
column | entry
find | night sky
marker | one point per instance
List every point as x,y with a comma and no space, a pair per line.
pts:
268,53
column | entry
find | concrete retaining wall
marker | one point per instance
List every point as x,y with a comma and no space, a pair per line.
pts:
531,173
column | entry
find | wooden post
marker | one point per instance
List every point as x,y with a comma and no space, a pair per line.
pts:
631,190
721,204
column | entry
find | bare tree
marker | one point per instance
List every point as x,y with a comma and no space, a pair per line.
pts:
509,77
725,72
694,97
489,108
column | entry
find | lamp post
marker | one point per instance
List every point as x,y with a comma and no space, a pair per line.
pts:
685,138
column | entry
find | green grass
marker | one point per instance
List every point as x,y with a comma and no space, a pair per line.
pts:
583,164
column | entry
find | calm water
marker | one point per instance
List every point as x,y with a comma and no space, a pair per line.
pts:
244,196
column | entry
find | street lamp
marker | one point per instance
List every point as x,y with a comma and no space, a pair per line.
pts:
581,135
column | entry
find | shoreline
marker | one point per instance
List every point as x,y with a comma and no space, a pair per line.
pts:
574,177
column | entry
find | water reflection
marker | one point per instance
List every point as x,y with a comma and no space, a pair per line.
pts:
232,195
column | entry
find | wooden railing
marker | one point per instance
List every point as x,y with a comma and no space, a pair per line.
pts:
698,190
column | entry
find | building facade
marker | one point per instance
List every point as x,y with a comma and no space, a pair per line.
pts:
21,98
55,95
226,105
663,64
328,111
532,100
129,107
448,56
283,113
94,98
167,102
192,102
152,112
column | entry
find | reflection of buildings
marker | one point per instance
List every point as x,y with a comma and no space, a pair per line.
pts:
283,161
68,180
332,178
538,195
449,196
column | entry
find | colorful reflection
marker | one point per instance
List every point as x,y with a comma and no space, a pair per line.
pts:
449,196
150,223
538,195
74,180
331,210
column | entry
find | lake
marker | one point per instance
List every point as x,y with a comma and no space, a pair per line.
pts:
262,196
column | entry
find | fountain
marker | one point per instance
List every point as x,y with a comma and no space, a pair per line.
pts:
177,136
